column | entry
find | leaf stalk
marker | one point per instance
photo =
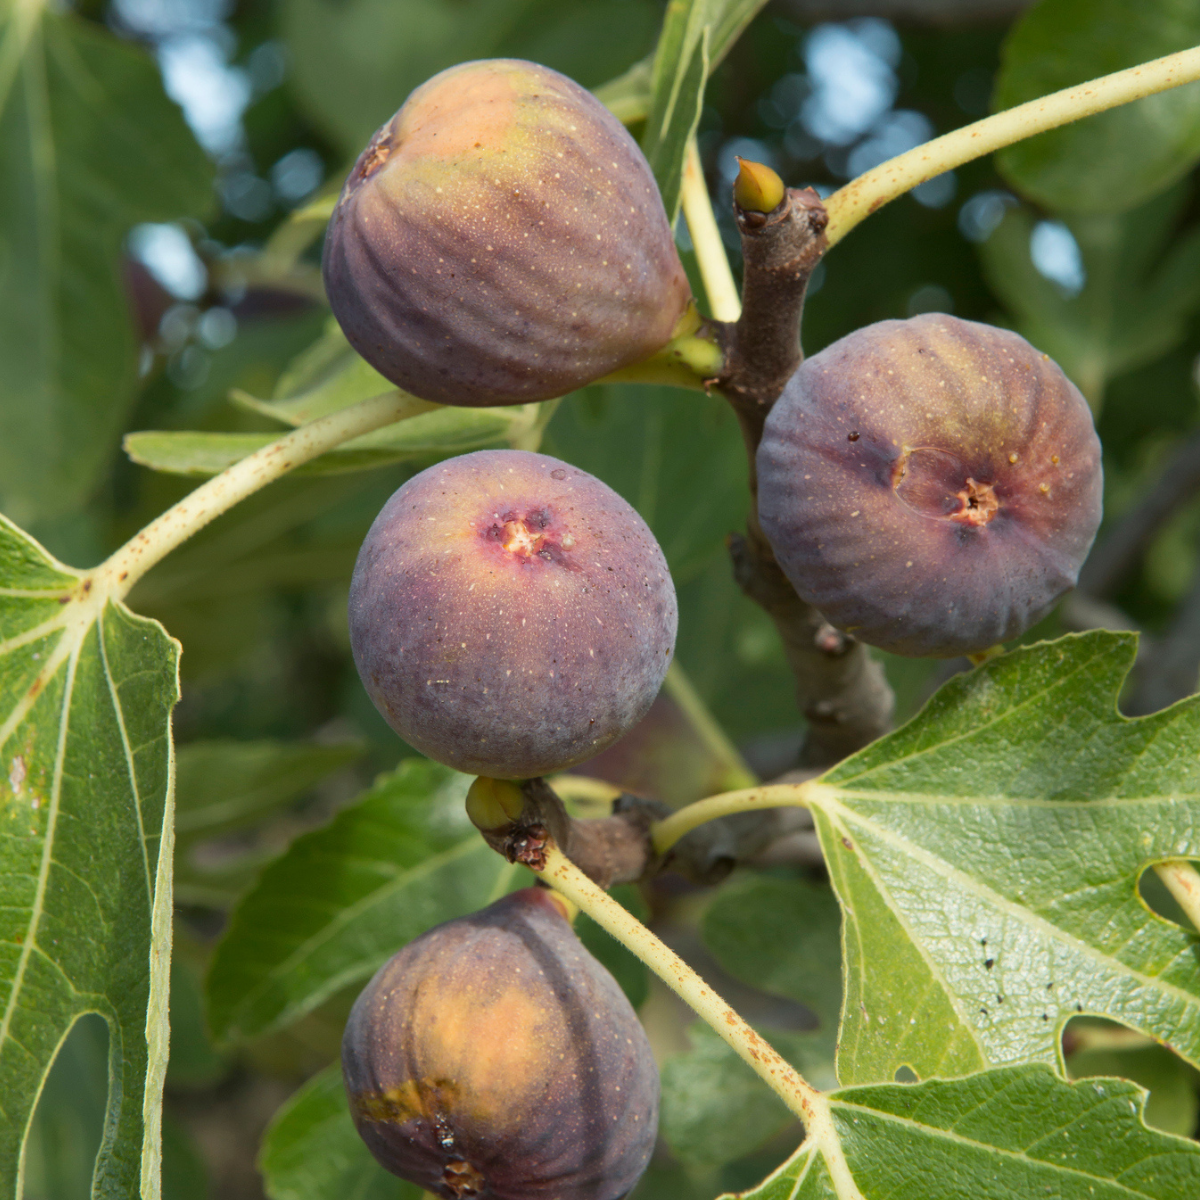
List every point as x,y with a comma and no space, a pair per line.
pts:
875,188
665,833
127,565
565,877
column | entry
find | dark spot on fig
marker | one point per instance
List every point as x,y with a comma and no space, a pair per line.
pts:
853,436
493,1057
989,963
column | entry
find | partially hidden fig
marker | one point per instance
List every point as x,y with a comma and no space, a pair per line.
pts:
502,240
493,1057
932,486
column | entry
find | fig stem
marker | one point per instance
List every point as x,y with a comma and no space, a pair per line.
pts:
719,285
1183,882
679,687
665,833
172,528
565,877
879,186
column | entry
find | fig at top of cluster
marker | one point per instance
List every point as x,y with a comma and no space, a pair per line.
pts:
502,240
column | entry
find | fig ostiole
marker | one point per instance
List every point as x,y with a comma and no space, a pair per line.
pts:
494,1057
932,486
502,240
511,615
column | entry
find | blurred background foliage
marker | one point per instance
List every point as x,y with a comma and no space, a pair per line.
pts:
185,295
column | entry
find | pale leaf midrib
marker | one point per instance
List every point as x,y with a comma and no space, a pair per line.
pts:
38,905
935,971
134,791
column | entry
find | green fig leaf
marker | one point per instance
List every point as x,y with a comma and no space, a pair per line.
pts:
1135,303
353,62
343,899
987,858
1117,159
86,692
1016,1132
91,146
677,96
311,1150
421,438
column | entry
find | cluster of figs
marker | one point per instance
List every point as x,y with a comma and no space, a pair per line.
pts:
931,486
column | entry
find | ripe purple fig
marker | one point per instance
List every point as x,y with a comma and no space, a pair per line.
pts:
494,1057
510,614
932,486
502,240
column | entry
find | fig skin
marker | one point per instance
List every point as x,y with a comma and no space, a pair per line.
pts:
494,1057
502,240
511,615
932,486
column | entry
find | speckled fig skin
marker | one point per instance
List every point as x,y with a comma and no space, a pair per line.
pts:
932,486
510,614
494,1057
502,240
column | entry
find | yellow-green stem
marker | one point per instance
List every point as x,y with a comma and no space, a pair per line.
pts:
128,564
1183,882
565,877
723,300
875,188
669,830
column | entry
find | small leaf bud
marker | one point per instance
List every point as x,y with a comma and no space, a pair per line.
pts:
757,188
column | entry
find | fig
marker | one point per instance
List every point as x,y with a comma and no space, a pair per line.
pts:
502,240
932,486
494,1057
511,615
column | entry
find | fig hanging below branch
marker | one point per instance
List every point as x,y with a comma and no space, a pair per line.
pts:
932,486
502,240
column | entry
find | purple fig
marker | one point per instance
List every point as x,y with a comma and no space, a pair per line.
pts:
494,1057
932,486
502,240
510,614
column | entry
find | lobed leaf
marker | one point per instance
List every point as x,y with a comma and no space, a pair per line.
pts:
1116,159
86,691
341,900
1014,1132
91,146
987,856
